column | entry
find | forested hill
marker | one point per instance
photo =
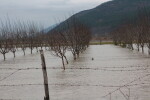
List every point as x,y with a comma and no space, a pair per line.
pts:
107,16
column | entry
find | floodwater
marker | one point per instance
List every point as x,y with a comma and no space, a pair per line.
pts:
115,74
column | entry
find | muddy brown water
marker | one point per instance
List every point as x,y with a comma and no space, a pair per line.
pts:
113,69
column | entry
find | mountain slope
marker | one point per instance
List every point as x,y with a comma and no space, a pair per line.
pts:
49,28
107,16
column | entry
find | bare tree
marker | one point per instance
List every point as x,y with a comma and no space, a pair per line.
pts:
4,40
78,36
31,35
58,46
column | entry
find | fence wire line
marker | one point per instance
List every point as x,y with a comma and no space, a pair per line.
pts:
136,66
54,68
139,66
99,85
126,85
9,75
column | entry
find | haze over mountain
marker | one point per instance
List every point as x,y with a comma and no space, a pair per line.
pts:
107,16
49,28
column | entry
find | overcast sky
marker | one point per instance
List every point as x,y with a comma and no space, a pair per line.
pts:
44,11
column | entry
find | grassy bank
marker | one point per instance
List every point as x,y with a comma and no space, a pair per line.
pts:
102,43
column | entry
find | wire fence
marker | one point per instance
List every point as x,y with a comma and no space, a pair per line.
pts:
76,85
125,85
119,87
86,68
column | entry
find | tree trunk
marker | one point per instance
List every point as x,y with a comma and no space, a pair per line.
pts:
78,54
24,52
36,49
74,56
138,47
63,62
142,49
66,59
14,54
4,56
132,47
31,50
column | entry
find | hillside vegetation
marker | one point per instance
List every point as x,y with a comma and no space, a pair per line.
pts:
108,16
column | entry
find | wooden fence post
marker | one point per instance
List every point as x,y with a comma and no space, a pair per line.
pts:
45,76
110,96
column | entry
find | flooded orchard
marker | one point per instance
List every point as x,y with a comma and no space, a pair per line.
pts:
103,72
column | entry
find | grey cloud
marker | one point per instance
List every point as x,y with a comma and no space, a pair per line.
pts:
43,11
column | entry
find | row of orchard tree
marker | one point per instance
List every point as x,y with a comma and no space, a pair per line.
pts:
135,31
14,35
73,36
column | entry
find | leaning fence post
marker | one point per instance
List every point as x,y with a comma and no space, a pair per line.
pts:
45,76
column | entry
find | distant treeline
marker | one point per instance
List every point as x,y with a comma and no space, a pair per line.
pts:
134,31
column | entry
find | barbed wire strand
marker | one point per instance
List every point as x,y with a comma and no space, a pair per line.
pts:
9,75
137,66
99,85
54,68
126,85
